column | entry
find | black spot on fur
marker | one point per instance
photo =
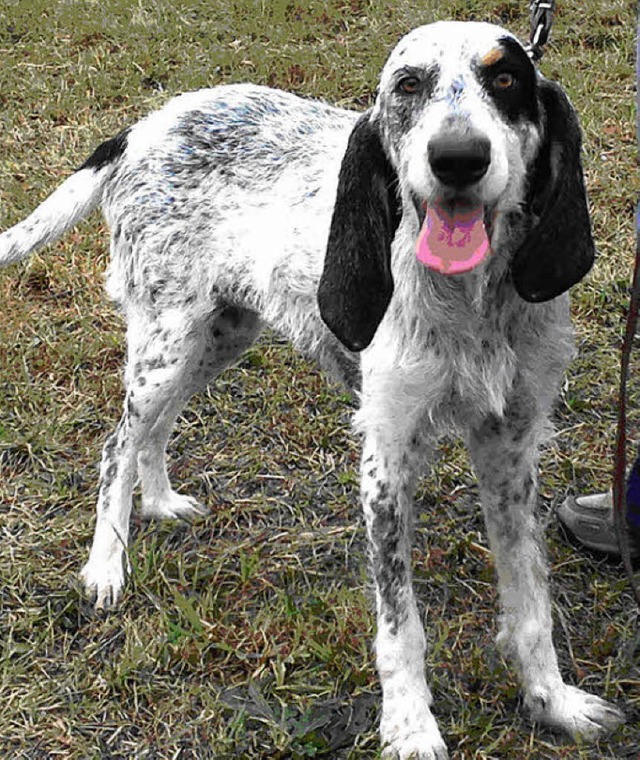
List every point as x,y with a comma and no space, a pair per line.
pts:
389,566
107,152
157,362
528,487
110,444
110,466
156,289
383,489
110,474
132,410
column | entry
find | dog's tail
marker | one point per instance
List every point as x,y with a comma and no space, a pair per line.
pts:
72,201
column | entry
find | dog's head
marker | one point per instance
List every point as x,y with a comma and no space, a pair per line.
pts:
463,128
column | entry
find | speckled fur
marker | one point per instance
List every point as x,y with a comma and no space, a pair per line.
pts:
220,207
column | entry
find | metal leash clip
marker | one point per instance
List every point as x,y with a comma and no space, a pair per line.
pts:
541,12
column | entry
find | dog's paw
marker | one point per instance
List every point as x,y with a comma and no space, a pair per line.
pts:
104,580
414,736
173,506
583,716
420,746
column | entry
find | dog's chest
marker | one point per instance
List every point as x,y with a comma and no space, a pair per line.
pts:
474,366
455,362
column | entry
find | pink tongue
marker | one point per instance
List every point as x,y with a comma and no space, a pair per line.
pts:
452,242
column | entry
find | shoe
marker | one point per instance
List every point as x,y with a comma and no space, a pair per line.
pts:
589,520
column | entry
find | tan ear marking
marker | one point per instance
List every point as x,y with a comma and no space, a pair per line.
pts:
493,56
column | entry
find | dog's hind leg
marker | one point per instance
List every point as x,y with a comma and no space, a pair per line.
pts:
228,335
169,358
504,452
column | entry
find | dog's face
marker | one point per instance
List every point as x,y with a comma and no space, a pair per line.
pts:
459,115
463,128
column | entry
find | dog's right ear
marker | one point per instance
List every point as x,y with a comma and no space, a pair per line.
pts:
356,283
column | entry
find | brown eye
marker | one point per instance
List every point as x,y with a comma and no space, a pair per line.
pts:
504,81
409,85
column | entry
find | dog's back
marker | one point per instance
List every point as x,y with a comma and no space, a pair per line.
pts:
225,189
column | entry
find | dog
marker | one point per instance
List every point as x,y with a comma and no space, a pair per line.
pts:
421,252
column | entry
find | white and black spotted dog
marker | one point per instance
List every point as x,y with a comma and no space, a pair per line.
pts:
420,251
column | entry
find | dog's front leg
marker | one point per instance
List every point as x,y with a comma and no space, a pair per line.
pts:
408,729
504,452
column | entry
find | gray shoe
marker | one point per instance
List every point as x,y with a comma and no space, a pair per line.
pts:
589,520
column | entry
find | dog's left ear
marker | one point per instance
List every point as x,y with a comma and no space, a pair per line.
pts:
356,284
559,249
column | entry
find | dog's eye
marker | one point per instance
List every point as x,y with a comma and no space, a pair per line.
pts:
409,85
504,80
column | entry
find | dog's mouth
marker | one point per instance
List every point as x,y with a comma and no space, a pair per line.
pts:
453,237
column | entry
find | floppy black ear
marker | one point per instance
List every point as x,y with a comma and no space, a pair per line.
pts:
356,283
559,249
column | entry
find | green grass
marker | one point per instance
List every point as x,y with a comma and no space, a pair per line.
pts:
249,634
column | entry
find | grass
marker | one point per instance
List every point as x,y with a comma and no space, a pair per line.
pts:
248,634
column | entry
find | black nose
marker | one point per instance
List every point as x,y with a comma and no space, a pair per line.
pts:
459,160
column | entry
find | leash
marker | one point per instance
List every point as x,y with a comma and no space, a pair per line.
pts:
541,15
620,466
